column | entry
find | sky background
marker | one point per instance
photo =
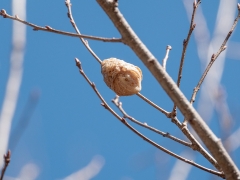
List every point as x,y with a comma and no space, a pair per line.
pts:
69,127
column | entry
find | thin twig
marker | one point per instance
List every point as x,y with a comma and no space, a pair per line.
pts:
195,144
164,62
52,30
68,4
213,58
7,158
145,125
122,119
198,147
168,114
185,45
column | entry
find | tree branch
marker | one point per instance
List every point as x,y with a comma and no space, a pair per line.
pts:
4,14
168,114
122,120
215,56
185,45
145,125
195,144
213,143
85,43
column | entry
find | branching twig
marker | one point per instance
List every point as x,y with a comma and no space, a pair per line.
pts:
68,4
166,56
122,119
198,147
213,58
195,144
7,158
145,125
185,44
52,30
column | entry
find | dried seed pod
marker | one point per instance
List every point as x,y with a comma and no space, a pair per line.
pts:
123,78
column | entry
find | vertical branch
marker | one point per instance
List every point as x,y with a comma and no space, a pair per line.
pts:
15,75
185,45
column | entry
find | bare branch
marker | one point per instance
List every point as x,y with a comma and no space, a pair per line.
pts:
214,57
195,144
198,147
185,44
122,120
201,128
52,30
7,158
85,43
164,62
145,125
168,114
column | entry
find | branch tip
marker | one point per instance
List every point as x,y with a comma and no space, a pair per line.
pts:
7,157
3,13
169,47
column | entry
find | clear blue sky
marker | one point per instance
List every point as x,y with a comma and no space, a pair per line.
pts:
69,126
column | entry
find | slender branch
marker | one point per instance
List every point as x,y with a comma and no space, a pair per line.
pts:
198,147
185,45
52,30
122,120
212,142
168,114
215,56
195,144
145,125
164,62
85,43
7,158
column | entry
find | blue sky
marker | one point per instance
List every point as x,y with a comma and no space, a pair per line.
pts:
69,126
